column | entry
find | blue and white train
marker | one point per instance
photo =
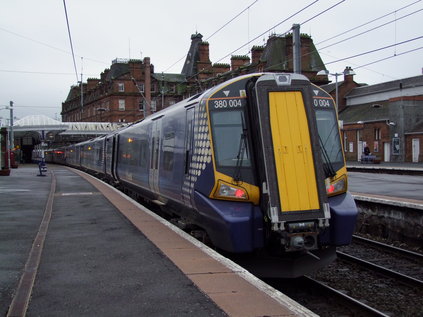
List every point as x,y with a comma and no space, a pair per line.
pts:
254,164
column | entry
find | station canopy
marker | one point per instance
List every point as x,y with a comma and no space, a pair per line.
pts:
41,127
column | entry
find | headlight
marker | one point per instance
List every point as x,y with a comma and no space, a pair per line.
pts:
229,191
337,186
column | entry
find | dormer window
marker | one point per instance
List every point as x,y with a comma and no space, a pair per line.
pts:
121,87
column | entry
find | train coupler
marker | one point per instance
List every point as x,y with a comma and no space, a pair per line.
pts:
300,236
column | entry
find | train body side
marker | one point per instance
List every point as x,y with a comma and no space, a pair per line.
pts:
249,163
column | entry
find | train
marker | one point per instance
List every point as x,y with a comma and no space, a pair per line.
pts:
254,166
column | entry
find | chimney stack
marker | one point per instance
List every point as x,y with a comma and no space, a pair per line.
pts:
348,74
239,60
147,85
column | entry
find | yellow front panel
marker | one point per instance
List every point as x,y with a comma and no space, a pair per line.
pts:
292,151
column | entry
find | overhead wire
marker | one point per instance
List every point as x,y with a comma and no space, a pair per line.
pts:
375,50
70,40
227,23
273,27
389,57
268,30
369,22
217,31
356,65
372,29
315,16
320,13
18,106
37,72
367,31
47,45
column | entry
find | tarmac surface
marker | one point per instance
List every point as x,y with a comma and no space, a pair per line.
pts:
73,246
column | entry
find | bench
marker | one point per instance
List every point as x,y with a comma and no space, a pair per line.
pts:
369,159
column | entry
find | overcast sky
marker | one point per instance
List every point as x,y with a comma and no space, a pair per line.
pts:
37,70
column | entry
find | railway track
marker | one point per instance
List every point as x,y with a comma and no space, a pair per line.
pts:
400,264
323,299
368,279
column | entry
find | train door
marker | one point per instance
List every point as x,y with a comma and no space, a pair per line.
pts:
293,152
288,133
115,156
189,128
155,155
109,149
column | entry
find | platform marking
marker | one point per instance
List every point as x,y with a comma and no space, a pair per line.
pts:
12,190
20,301
78,194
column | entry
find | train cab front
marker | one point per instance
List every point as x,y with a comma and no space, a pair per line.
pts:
301,170
303,173
277,152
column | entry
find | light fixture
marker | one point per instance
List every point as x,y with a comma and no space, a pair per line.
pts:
323,72
347,71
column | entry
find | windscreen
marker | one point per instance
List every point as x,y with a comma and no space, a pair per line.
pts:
327,126
230,143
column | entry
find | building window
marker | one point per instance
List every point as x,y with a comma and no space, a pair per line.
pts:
377,134
121,104
141,87
121,87
141,105
153,106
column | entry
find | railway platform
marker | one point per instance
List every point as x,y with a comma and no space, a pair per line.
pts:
386,167
71,245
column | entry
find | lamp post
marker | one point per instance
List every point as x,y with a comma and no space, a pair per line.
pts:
10,140
12,145
325,72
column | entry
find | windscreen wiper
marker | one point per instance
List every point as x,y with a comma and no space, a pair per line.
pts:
240,155
327,166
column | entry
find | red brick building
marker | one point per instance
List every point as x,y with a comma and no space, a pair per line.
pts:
130,89
275,56
387,118
126,92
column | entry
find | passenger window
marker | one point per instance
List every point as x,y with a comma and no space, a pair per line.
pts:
168,150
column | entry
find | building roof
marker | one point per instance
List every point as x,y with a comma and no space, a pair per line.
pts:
399,84
118,69
167,77
42,122
190,67
417,129
331,87
77,128
277,59
38,122
364,113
